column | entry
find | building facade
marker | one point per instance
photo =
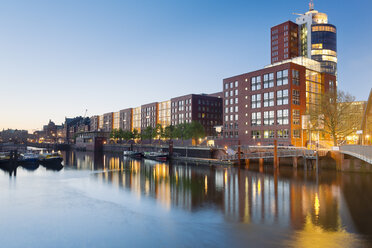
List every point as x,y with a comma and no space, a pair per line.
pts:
165,113
269,104
311,36
149,115
205,109
284,42
126,119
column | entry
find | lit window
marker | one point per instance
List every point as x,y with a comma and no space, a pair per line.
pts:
282,97
282,117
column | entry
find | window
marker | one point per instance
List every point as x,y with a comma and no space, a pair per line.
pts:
226,86
236,108
281,77
268,80
227,102
231,101
231,85
226,110
283,134
231,93
295,77
256,83
236,83
296,97
236,100
256,134
296,116
268,99
282,116
282,97
256,101
268,118
269,134
256,119
236,92
331,86
236,117
296,133
226,93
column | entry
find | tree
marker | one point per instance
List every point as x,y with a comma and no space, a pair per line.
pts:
136,134
336,115
169,132
181,131
196,131
159,131
149,133
115,134
127,135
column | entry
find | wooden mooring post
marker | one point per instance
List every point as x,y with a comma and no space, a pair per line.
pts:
239,156
276,159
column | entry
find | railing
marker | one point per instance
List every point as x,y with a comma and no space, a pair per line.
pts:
257,152
362,152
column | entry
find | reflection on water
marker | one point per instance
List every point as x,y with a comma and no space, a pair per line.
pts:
298,208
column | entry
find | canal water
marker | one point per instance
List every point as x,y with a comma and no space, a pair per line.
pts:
110,201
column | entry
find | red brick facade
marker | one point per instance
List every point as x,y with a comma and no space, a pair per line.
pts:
284,42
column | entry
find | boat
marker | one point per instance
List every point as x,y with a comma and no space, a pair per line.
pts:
50,158
160,156
133,154
4,158
29,158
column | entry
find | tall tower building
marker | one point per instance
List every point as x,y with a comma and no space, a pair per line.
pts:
311,36
284,42
317,39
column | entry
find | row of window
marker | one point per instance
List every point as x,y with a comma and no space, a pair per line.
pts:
282,98
232,117
268,80
231,85
232,109
231,93
232,134
282,117
270,134
231,101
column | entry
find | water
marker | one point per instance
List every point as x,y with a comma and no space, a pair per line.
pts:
110,201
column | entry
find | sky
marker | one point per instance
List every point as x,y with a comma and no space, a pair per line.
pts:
59,58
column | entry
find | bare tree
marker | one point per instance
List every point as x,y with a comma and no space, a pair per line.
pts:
337,115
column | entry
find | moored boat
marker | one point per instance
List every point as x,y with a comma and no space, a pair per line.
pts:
29,158
4,158
50,158
133,154
160,156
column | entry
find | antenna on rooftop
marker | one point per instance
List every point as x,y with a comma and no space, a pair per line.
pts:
311,5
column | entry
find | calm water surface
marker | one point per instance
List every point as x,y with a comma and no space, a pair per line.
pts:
110,201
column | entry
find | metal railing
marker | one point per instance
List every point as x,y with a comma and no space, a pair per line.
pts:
257,152
362,152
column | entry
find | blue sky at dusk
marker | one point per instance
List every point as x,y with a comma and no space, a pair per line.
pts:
58,58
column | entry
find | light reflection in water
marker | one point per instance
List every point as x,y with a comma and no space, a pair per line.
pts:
313,208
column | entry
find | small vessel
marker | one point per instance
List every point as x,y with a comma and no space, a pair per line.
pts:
160,156
29,158
50,158
4,158
133,154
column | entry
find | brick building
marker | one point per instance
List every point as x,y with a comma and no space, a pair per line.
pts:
268,104
149,115
126,119
202,108
284,42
